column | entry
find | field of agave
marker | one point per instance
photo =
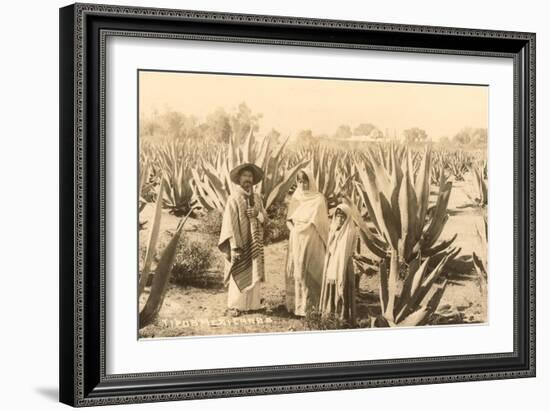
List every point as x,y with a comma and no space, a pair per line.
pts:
399,195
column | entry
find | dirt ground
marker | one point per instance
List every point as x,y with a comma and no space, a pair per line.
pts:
201,310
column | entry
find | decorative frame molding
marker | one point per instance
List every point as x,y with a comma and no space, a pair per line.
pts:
83,32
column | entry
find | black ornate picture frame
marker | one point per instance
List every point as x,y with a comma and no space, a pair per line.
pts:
83,32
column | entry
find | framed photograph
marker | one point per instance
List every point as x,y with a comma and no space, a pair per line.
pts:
261,204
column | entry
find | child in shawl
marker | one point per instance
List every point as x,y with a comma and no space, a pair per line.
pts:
338,289
308,222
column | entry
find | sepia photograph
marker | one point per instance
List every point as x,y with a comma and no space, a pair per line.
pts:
275,204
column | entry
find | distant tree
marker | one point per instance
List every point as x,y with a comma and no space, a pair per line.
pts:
463,137
471,136
304,136
217,126
274,136
480,136
177,125
342,132
444,140
243,121
364,129
415,135
148,125
377,134
173,122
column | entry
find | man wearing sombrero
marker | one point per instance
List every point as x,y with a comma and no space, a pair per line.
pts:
241,240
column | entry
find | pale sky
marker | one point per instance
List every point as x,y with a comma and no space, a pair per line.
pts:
293,104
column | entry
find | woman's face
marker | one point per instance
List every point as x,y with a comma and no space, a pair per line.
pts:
302,181
340,218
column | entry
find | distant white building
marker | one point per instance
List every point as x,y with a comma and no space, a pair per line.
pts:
374,135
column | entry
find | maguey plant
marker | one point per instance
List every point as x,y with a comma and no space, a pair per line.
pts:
333,172
402,230
437,168
480,184
164,266
458,164
212,184
176,161
480,261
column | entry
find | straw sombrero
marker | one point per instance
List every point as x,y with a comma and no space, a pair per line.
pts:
257,173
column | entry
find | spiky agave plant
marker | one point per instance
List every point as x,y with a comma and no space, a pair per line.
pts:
458,164
480,184
176,161
403,233
480,263
420,294
279,175
437,168
163,268
149,172
332,170
398,205
143,181
212,184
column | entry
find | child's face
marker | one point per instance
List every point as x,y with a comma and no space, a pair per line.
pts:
340,218
302,181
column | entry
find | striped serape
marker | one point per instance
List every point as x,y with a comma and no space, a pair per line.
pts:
246,234
251,263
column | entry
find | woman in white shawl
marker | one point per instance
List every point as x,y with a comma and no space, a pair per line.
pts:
308,222
338,289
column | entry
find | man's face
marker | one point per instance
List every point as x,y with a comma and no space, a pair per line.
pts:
246,179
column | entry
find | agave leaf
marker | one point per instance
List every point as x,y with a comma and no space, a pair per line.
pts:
432,299
208,195
439,217
160,279
434,231
373,244
232,153
435,299
344,186
248,152
279,151
263,158
422,185
408,211
143,176
440,247
408,300
391,221
152,242
330,184
372,208
416,278
212,176
427,283
479,266
392,286
414,319
381,179
284,185
435,273
413,267
384,275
